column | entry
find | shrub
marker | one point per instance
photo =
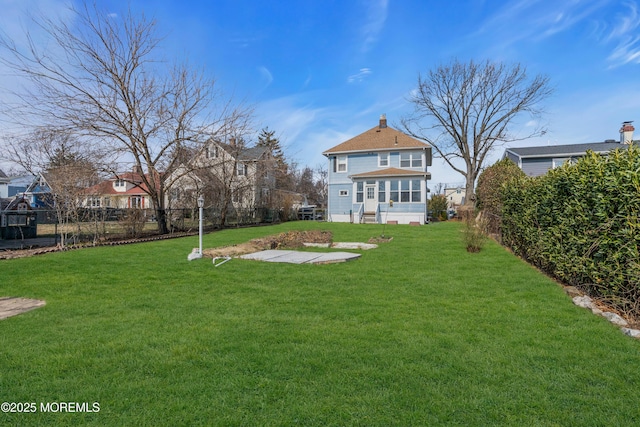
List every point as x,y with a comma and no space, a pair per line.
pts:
438,206
474,234
581,223
489,189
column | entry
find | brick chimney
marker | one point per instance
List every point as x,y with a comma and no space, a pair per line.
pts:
626,132
383,121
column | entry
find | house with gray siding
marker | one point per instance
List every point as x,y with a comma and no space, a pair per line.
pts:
379,176
536,161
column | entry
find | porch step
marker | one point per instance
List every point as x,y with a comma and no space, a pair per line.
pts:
369,218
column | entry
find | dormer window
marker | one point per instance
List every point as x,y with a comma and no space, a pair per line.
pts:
119,183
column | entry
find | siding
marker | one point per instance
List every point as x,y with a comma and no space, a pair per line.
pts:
536,167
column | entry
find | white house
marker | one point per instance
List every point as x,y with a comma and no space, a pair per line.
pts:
455,195
379,176
126,190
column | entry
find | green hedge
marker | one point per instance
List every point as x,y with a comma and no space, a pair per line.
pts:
489,192
581,224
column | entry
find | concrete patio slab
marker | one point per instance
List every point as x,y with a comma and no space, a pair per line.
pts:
10,306
296,257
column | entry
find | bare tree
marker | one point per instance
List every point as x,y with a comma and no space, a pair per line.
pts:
322,177
464,109
65,163
103,78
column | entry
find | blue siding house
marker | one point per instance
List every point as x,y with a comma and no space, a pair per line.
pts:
536,161
379,176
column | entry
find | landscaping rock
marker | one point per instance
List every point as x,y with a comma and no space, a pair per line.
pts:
635,333
614,318
584,302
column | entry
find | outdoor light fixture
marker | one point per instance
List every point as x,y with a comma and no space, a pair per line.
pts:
198,254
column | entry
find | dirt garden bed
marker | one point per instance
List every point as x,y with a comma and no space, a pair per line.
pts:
286,240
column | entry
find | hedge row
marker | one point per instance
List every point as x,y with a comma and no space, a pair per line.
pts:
581,224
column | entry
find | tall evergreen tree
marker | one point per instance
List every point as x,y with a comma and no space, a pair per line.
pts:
268,139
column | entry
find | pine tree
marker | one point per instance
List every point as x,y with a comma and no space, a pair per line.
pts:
281,167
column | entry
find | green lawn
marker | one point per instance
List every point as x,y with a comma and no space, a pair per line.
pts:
417,332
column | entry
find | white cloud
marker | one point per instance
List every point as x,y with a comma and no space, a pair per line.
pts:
267,77
624,34
360,76
376,16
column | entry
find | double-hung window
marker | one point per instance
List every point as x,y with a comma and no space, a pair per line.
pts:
411,160
341,163
241,169
383,160
212,151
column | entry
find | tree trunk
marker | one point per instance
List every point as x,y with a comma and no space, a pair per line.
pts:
161,218
470,195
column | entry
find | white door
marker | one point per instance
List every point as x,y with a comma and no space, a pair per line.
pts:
370,198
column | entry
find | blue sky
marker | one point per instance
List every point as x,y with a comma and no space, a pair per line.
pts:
320,72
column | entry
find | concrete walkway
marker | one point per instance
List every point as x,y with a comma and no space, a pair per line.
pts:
10,306
296,257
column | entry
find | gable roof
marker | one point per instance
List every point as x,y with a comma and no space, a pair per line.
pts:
378,138
252,153
565,150
106,188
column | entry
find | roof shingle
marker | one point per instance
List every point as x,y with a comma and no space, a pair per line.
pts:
377,138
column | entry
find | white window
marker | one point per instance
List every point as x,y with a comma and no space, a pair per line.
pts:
241,169
212,151
557,162
383,160
119,183
342,163
93,202
405,191
411,160
344,193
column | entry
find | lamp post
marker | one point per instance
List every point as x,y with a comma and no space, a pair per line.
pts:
195,254
200,206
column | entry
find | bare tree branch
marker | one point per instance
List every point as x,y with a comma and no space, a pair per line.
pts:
101,79
464,110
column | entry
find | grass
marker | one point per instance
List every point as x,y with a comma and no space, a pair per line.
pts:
416,332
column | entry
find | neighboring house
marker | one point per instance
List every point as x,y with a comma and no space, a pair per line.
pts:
378,176
126,190
17,219
244,176
536,161
38,193
455,196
